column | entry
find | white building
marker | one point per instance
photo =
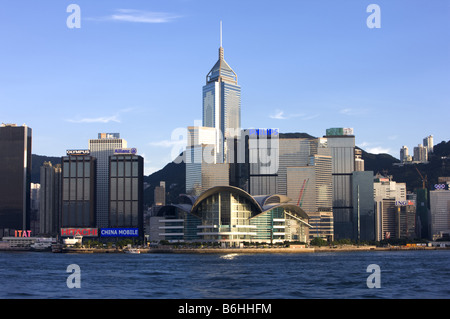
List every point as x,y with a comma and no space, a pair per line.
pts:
440,213
101,149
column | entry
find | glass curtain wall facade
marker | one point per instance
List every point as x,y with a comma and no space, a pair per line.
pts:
222,103
126,177
50,198
363,205
15,182
231,216
342,149
78,191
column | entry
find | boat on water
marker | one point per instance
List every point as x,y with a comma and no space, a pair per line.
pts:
132,251
40,246
57,248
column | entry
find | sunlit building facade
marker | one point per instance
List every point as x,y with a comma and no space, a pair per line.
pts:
229,215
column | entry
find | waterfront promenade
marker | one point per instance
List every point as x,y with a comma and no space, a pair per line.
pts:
283,250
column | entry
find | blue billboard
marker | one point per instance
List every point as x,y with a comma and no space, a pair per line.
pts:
119,232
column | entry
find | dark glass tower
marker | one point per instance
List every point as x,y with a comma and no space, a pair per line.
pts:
126,192
15,181
78,191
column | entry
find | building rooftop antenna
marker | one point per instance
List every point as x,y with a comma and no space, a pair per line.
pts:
220,33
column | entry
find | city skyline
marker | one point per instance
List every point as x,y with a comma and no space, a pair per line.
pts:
138,69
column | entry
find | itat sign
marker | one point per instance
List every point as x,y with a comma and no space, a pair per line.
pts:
22,233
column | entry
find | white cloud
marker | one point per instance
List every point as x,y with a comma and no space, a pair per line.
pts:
107,119
378,150
138,16
278,115
102,119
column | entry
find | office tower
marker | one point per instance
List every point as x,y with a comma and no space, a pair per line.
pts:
50,194
341,143
222,101
78,190
428,143
34,207
160,194
126,176
406,219
363,205
261,158
440,213
404,153
101,148
359,162
204,165
293,152
387,194
422,213
420,154
15,172
385,187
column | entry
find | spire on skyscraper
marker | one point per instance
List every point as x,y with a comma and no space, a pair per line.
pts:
221,71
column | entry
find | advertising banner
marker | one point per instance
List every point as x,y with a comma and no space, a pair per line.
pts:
119,232
85,232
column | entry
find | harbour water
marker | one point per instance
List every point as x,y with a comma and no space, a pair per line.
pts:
343,275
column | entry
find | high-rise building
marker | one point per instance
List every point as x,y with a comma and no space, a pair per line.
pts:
15,182
440,213
78,190
50,198
420,154
126,182
363,205
422,213
359,162
387,193
428,143
102,148
261,158
341,143
404,153
385,187
160,194
222,102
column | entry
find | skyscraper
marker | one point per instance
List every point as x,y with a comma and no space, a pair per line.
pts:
50,203
428,143
15,181
126,192
341,143
420,154
78,190
101,148
222,101
404,153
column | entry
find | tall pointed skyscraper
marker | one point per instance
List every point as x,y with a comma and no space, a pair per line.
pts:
222,101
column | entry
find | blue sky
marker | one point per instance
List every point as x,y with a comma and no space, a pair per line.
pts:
138,67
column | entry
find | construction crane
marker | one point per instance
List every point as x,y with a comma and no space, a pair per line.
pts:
300,197
424,179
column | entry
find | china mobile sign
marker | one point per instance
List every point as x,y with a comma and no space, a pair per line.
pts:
119,232
85,232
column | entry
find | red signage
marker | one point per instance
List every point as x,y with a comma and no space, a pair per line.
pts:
87,232
22,233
